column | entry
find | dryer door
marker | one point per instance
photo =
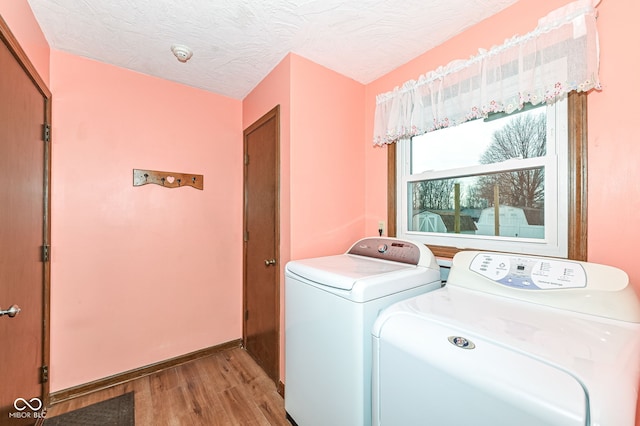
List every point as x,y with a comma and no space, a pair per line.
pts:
430,374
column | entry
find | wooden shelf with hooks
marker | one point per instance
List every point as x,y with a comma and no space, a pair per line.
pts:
167,179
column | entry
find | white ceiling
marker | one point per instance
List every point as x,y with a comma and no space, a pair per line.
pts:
236,43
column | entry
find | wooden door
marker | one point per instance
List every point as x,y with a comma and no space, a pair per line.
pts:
261,326
24,235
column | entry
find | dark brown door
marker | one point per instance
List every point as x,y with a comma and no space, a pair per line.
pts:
261,265
23,233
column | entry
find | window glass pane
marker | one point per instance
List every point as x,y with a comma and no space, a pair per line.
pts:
496,139
467,205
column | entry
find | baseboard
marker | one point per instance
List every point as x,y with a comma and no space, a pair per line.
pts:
127,376
280,388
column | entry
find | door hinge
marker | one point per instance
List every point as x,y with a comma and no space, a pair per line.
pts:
246,236
246,315
246,159
45,252
46,132
44,374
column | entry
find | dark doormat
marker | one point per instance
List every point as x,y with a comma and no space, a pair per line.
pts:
118,411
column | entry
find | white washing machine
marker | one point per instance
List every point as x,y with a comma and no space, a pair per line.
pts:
331,304
511,340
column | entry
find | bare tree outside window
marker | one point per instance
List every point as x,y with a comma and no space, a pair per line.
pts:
523,137
436,194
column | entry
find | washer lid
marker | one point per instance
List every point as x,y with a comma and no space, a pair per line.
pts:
343,271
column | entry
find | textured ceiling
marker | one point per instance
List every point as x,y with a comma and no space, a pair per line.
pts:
236,43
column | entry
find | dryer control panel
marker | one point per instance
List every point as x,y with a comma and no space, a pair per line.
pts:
573,285
529,273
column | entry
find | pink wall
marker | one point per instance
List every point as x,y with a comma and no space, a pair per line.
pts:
140,274
614,175
327,164
19,17
321,118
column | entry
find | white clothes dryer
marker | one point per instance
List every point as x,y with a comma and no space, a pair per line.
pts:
331,304
511,340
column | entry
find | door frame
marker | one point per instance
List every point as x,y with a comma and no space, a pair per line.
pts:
274,113
19,54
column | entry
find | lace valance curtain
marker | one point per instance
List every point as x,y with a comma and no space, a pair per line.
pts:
559,56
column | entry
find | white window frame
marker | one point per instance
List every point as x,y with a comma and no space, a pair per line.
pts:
556,212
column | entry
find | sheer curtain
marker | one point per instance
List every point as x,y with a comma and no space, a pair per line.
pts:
559,56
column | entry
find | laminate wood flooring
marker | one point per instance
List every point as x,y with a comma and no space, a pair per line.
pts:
227,388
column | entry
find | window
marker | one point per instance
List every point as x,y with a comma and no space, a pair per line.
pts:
509,183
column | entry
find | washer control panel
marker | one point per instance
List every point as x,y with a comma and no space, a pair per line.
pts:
529,273
391,249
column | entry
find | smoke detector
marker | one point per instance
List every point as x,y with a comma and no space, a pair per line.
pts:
183,53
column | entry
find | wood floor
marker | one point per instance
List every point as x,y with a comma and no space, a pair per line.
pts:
227,388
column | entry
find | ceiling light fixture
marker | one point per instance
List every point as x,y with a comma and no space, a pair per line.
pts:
183,53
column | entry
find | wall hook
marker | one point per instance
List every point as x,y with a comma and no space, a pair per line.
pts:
167,179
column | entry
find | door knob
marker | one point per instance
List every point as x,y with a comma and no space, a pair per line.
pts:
270,262
11,312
